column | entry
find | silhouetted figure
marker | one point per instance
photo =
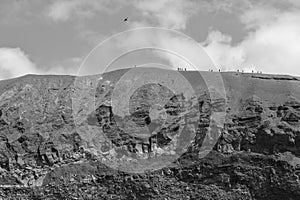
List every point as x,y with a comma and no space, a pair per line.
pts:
125,20
184,69
219,70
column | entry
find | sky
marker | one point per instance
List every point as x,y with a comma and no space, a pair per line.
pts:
55,37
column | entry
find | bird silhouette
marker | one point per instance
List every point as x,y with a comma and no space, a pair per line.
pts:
125,20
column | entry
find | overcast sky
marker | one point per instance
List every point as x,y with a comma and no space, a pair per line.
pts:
55,36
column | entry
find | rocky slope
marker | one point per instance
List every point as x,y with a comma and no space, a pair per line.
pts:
45,154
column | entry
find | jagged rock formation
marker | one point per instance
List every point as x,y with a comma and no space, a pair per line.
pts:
43,155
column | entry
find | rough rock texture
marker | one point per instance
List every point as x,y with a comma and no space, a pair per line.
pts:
43,155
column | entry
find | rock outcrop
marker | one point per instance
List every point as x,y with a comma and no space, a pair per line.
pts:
49,148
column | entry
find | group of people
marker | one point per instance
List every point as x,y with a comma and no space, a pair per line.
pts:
258,72
211,70
181,69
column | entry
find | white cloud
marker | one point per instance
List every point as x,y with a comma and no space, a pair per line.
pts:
259,16
162,13
222,53
272,47
166,13
171,46
68,66
14,62
64,10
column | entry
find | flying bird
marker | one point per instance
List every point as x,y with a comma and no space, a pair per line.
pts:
125,20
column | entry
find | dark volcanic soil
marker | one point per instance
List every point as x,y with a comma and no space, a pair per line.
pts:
43,155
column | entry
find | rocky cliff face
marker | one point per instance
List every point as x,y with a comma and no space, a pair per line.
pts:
49,148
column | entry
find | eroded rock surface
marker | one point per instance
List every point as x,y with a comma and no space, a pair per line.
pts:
49,148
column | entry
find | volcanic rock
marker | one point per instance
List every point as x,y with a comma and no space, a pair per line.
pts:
55,146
